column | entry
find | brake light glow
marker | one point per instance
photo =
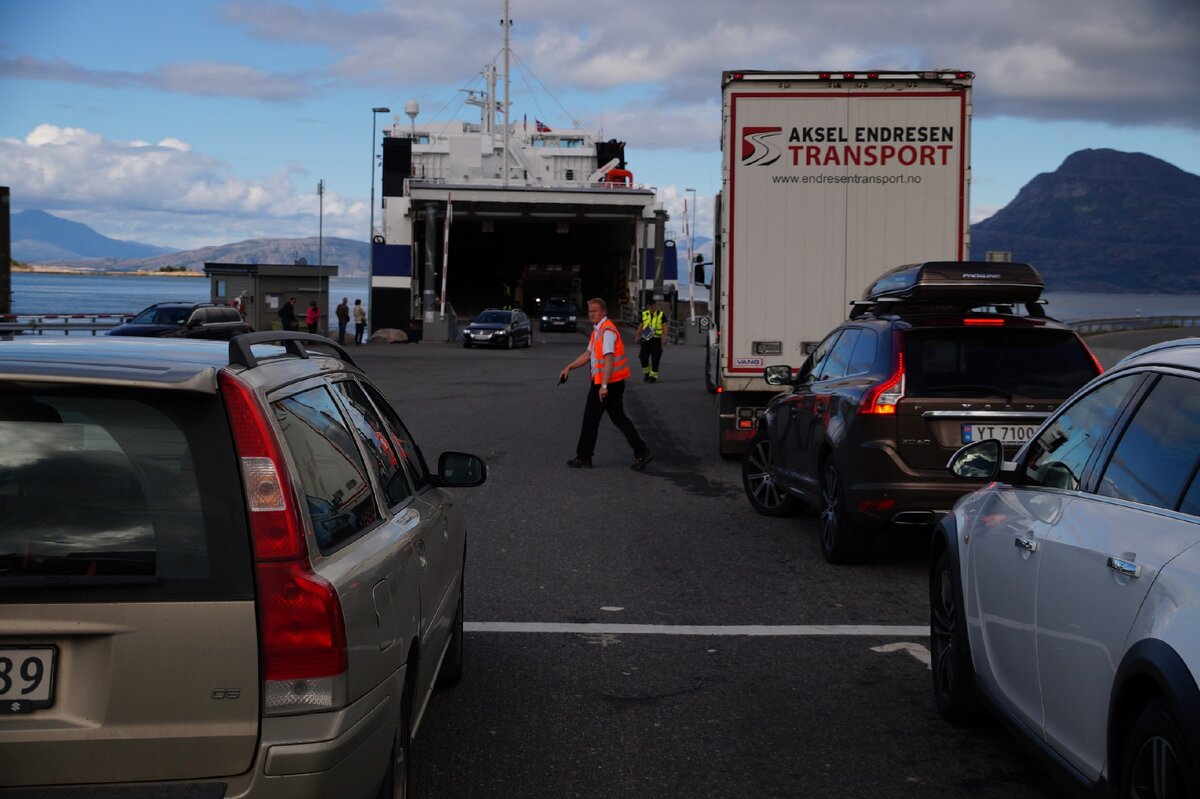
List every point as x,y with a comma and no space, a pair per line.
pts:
301,626
876,504
985,322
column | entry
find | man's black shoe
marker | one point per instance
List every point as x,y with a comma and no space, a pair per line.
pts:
641,460
580,463
646,378
651,379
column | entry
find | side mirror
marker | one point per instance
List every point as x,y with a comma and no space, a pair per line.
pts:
780,375
982,460
460,470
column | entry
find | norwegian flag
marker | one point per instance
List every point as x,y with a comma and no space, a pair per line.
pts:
542,127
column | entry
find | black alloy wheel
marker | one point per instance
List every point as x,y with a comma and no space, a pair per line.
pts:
765,496
1156,763
949,649
708,380
842,541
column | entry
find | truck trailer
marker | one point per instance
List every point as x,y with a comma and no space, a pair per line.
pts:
828,180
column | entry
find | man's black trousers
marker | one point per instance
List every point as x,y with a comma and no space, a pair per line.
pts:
614,405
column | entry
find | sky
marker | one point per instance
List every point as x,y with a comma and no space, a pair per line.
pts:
200,122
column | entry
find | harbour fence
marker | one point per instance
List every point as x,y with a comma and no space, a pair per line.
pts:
1092,327
61,324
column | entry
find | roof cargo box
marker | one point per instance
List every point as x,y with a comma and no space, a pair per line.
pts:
958,282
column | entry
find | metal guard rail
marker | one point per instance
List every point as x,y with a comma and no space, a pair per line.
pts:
61,323
1092,327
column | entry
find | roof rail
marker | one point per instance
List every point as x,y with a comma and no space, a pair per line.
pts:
293,341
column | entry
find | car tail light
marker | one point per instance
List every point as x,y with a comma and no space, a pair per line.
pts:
983,322
883,398
1092,355
300,618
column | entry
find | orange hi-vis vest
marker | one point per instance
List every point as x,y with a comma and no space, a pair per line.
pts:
620,369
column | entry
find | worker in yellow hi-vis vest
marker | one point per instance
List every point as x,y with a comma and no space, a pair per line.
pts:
650,334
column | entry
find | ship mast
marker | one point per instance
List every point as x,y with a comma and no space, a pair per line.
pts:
507,23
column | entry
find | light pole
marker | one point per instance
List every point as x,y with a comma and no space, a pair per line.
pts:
371,237
691,257
321,248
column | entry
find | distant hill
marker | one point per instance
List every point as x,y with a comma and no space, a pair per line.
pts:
38,236
351,257
1104,221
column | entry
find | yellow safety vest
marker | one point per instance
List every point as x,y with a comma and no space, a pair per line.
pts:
654,321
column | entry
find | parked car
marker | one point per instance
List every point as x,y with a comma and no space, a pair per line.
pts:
497,327
225,570
558,315
185,320
933,357
1065,593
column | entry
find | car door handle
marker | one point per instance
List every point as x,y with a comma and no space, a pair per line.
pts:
1027,544
1124,567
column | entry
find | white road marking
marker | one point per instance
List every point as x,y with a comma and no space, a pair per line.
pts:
916,650
877,630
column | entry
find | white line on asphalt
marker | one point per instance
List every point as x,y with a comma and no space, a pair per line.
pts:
880,630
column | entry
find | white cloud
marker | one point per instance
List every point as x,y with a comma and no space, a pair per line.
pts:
79,173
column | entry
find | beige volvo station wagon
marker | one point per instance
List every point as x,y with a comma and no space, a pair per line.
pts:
225,571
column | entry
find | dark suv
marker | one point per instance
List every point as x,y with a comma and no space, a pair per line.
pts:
185,320
933,357
225,570
558,315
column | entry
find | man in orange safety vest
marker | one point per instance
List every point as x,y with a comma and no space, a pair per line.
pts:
605,354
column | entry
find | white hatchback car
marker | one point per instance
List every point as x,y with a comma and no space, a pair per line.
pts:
1065,594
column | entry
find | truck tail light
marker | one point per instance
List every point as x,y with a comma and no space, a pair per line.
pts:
301,627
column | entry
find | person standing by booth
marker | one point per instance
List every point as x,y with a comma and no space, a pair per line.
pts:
343,317
650,334
312,316
287,315
360,321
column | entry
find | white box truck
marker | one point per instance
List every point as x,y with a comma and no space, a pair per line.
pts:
829,179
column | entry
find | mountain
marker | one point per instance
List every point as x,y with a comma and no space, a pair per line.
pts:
1104,221
39,236
351,257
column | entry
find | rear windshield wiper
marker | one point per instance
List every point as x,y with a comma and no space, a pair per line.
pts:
966,387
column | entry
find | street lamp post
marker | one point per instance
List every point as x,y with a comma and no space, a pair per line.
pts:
691,257
371,237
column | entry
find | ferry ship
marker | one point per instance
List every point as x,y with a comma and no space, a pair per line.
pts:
509,213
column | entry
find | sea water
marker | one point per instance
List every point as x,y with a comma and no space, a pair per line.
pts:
51,293
45,293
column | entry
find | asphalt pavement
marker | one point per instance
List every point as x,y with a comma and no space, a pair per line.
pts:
646,634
